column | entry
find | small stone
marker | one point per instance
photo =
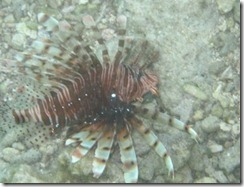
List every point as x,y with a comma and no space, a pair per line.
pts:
159,179
83,2
195,91
236,129
198,115
230,158
24,174
210,124
24,29
115,173
215,148
9,154
31,156
237,12
55,3
225,127
18,145
19,39
9,19
225,6
141,147
220,177
217,110
147,167
206,180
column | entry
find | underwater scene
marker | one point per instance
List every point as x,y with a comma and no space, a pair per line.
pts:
120,91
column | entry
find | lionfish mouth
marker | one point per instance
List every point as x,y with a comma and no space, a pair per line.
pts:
103,95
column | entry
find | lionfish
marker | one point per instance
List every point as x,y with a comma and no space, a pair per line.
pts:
98,97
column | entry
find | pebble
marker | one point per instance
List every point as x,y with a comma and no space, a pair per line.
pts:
114,173
236,129
225,6
19,39
9,19
230,158
159,179
9,154
197,153
83,1
220,177
24,174
225,127
18,145
195,91
24,29
147,167
205,180
141,146
210,124
215,148
184,175
237,12
31,156
217,110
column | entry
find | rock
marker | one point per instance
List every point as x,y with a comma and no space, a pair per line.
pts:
10,154
237,12
230,158
9,19
18,145
215,148
24,174
183,175
195,91
220,177
205,180
210,124
225,6
197,153
19,39
225,127
217,110
31,156
147,167
236,129
23,28
114,173
140,145
83,1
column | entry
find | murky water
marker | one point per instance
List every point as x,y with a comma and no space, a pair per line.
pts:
199,70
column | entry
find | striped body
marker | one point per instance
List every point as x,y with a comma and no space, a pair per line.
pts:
96,93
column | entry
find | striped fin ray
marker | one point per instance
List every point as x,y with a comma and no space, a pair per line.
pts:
55,57
102,152
142,54
77,53
85,139
128,155
154,142
89,22
70,42
121,20
165,118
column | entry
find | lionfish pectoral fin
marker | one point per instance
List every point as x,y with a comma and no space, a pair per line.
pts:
86,139
180,125
166,118
128,156
154,142
102,152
